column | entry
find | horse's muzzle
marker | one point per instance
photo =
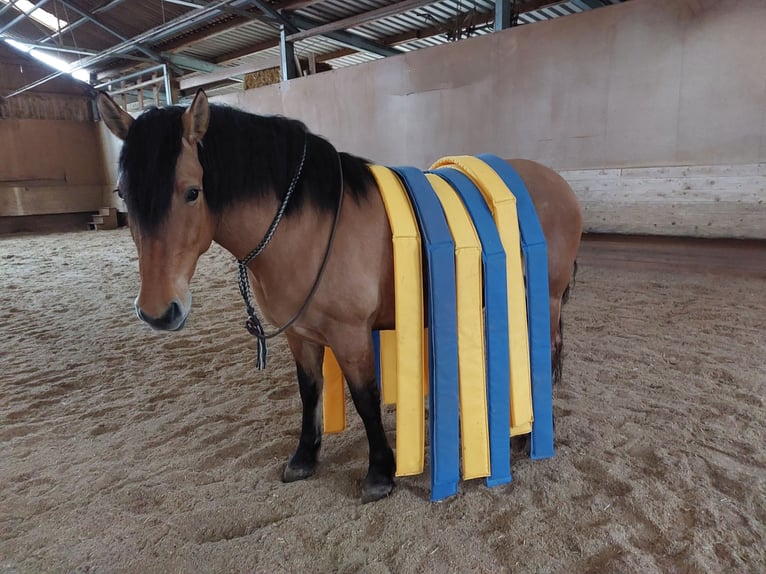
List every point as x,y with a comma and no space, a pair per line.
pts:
173,319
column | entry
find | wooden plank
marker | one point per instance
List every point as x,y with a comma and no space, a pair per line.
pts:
703,201
587,174
692,189
18,201
33,181
713,219
753,170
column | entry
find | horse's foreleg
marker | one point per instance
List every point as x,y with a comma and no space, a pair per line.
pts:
308,361
357,361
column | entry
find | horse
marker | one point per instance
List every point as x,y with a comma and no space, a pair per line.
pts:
193,175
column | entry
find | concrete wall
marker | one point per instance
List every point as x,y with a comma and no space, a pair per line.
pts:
648,83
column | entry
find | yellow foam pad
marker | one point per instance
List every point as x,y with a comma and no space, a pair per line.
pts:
388,366
334,399
472,372
408,293
502,203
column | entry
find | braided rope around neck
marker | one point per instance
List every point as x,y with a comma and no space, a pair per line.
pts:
253,323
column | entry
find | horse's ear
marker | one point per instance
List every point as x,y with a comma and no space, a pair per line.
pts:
196,118
116,119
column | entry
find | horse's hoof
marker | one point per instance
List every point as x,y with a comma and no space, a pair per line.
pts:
372,491
521,444
292,473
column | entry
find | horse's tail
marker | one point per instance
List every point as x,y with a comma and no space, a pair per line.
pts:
571,286
558,359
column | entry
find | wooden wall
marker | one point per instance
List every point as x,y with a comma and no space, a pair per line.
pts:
654,109
51,159
723,201
49,166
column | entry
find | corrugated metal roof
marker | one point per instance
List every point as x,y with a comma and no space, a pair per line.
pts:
229,33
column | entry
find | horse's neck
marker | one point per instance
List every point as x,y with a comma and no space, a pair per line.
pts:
286,268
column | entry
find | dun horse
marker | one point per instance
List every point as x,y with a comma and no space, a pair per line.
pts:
213,173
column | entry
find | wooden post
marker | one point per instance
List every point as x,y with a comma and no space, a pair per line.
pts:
124,96
156,90
140,96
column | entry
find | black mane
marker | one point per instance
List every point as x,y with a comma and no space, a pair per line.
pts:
243,155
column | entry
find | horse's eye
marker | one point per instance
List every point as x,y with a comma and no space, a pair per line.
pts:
192,194
118,191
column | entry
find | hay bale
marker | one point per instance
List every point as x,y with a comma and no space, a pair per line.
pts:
273,75
261,78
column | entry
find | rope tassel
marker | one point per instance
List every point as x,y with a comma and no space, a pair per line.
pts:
256,329
253,324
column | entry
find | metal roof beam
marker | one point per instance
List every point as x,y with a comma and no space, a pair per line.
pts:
410,35
299,21
436,29
186,3
374,47
242,18
108,30
21,16
66,50
202,34
347,38
234,73
359,19
275,17
80,22
190,63
11,4
247,50
175,25
295,4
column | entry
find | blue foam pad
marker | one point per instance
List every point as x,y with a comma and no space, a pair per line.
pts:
495,323
538,307
443,396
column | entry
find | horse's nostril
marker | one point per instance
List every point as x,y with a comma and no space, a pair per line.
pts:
173,313
170,319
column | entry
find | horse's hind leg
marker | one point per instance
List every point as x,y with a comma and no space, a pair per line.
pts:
557,340
357,361
308,361
557,327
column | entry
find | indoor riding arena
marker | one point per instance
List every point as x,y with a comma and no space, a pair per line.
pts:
131,449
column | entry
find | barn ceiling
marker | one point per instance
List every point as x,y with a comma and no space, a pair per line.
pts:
215,42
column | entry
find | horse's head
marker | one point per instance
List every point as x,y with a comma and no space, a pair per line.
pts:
161,183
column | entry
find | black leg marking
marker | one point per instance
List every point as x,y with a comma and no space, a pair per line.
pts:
379,481
304,462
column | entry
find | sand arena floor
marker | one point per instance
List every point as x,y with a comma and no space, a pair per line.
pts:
125,450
